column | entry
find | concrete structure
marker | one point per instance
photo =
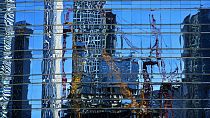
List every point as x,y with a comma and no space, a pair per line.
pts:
58,35
7,19
195,68
52,53
21,66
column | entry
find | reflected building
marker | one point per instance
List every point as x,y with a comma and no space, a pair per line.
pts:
21,71
110,30
110,90
7,18
51,63
196,40
93,33
89,41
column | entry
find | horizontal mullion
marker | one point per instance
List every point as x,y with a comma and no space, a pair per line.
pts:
108,108
105,33
140,73
113,9
116,49
112,83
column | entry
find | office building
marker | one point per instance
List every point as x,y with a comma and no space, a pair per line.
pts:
21,71
196,40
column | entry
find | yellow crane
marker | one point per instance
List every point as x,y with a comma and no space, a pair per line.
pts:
123,86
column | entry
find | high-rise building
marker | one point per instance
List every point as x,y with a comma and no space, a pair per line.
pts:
52,53
20,71
48,89
7,18
90,28
92,33
196,40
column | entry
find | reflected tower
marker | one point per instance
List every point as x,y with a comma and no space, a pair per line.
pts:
21,66
196,69
7,19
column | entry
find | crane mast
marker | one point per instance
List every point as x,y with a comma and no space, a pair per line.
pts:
123,86
166,90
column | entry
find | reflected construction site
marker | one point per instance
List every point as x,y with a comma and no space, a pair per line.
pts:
105,59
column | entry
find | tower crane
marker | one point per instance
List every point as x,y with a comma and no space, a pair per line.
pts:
155,32
147,87
127,41
166,91
110,62
123,86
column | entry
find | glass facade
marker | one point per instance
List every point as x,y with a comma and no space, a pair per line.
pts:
104,58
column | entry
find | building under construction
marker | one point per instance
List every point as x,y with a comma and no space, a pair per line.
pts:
105,85
104,58
112,83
